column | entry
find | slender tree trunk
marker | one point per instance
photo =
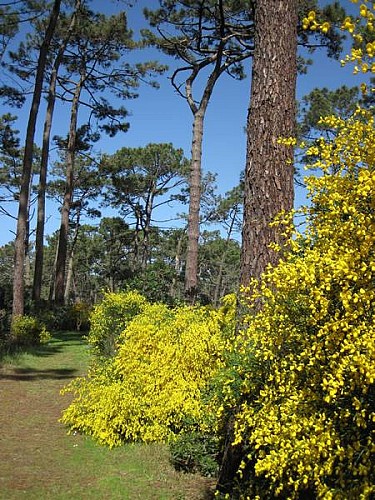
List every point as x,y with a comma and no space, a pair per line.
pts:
27,265
77,295
136,261
69,275
111,283
39,239
219,281
177,266
68,197
51,295
146,231
199,112
19,251
191,271
269,165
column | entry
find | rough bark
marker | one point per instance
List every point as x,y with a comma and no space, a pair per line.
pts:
269,165
27,264
39,238
68,197
51,295
21,236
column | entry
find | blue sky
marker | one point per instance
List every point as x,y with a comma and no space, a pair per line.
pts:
163,116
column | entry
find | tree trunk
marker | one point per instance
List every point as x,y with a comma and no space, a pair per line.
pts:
51,295
217,292
68,197
191,271
177,266
199,112
147,229
269,165
136,260
111,283
69,276
39,239
27,263
19,251
27,266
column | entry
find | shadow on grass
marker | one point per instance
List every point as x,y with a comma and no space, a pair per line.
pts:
68,336
31,374
59,341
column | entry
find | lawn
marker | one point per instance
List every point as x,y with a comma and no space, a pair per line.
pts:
40,461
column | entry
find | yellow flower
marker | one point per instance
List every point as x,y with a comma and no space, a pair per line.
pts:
363,10
311,16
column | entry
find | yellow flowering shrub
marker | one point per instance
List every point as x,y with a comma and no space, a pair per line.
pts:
110,317
305,371
151,389
28,331
81,311
360,28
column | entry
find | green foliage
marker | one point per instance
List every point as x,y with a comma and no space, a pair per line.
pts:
219,263
110,318
154,282
324,102
151,390
5,308
195,452
72,317
28,331
141,179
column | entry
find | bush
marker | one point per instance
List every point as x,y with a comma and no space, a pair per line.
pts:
195,452
81,311
28,331
72,317
304,388
110,318
154,282
152,388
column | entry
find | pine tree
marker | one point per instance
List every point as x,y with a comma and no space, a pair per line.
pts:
22,221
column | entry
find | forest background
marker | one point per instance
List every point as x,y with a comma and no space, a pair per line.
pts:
101,220
160,115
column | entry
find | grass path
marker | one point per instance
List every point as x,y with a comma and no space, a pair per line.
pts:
38,460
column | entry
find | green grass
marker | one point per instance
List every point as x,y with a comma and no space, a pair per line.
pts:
40,461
